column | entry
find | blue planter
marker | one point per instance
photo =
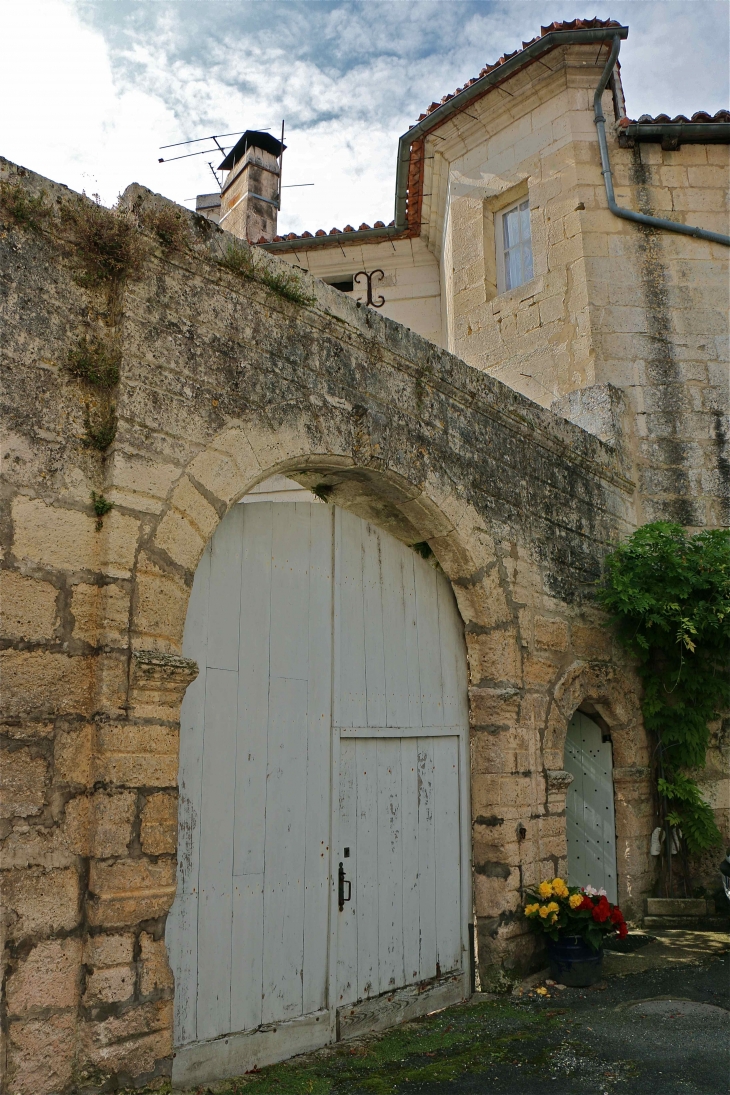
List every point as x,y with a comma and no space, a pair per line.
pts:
573,962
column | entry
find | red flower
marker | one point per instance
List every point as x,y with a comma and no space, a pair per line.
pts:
617,917
602,911
623,931
586,903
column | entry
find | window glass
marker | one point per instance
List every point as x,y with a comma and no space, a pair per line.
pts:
517,245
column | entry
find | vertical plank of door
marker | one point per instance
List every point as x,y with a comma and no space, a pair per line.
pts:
351,684
426,858
286,796
225,591
290,590
251,767
453,662
394,633
429,647
347,918
390,865
372,588
411,902
590,738
182,929
409,559
448,852
284,849
318,777
247,944
367,865
216,854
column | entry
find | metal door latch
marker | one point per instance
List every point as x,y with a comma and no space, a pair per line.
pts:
341,883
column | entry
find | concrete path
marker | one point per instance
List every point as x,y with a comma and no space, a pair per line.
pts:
658,1025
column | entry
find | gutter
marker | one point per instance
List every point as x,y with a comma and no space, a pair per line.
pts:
673,134
618,210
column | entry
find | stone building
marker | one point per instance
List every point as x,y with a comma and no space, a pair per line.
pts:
542,376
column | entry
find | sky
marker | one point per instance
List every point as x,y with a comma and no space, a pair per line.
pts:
93,88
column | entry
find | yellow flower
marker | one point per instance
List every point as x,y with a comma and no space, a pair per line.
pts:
545,889
559,888
553,918
530,910
542,991
544,912
575,900
553,907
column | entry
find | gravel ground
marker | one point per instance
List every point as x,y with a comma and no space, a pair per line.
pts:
657,1031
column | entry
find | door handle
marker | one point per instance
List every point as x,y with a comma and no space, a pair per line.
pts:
341,883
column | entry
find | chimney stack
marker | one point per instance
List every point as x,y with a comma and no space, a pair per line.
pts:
250,197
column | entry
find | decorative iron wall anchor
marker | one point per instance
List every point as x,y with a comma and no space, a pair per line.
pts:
369,278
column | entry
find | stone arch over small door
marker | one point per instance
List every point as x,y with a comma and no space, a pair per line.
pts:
609,696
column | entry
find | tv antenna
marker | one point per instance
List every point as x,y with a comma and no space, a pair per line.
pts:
216,138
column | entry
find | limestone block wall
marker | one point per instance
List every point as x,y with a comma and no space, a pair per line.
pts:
658,308
169,384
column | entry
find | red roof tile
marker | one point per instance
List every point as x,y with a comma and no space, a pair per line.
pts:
573,24
662,119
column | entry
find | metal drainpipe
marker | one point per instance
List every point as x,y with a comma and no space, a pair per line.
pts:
619,211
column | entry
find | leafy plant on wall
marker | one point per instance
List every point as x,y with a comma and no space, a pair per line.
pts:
669,595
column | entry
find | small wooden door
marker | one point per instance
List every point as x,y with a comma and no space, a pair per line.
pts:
591,827
330,656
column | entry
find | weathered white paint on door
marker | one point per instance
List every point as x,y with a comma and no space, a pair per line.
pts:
591,827
330,655
400,706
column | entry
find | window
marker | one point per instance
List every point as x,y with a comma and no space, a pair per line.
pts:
344,285
514,247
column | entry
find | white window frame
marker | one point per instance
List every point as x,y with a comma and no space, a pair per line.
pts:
502,286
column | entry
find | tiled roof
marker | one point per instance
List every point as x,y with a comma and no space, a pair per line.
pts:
663,119
332,232
573,24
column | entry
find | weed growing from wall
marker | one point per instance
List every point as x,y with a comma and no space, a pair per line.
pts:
102,428
669,595
242,263
94,363
107,242
101,506
168,225
26,210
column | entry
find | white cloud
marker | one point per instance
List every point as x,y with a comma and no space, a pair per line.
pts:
99,86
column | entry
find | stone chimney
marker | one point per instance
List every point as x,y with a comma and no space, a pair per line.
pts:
209,205
250,197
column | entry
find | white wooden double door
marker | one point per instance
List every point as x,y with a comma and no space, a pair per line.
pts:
324,840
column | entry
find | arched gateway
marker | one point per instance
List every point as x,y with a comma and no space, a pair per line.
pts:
324,823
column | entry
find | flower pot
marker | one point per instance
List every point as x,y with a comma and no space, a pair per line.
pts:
573,962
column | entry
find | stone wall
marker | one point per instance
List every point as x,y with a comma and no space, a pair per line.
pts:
140,368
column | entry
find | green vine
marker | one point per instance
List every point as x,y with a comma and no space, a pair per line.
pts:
669,595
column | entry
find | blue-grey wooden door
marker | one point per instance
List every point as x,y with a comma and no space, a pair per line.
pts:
590,822
330,656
